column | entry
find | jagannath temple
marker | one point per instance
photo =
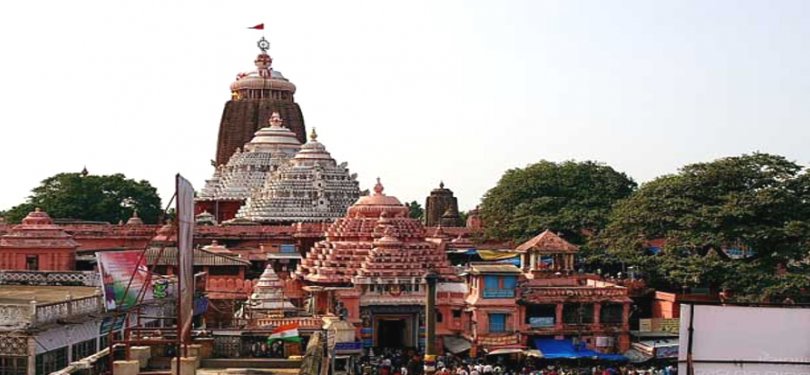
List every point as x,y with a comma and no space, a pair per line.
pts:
285,238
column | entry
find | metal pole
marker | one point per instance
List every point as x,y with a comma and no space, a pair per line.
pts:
178,313
430,323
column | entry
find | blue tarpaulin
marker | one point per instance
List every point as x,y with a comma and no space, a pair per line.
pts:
557,349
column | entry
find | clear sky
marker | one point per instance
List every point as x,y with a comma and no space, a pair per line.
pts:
411,91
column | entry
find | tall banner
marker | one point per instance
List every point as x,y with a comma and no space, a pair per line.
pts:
185,238
124,275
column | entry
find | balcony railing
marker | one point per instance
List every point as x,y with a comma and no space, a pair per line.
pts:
499,293
33,314
70,278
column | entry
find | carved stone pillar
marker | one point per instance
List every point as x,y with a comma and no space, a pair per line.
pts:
597,311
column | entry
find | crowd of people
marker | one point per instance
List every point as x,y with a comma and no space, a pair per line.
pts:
410,362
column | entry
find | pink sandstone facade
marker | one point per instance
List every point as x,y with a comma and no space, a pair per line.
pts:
37,245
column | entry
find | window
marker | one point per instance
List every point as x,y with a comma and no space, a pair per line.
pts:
499,286
578,313
51,361
13,365
611,313
497,323
456,314
83,349
32,262
439,317
103,342
509,282
491,282
538,316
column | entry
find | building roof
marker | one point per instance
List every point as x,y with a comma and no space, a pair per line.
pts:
24,294
490,268
37,230
247,171
310,187
548,243
375,241
201,258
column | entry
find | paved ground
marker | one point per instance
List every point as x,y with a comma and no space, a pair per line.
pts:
239,371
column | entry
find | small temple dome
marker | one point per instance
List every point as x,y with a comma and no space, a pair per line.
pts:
274,138
217,248
205,218
135,220
312,150
374,204
264,77
37,217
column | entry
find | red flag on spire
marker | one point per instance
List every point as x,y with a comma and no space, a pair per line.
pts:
257,27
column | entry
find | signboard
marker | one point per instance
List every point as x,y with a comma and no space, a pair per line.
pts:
659,325
541,321
124,275
497,340
669,351
645,325
604,341
744,340
348,347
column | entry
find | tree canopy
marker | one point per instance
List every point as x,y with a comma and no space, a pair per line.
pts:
571,197
81,196
756,205
416,210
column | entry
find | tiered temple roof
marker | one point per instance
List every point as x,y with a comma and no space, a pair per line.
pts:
268,296
37,231
310,187
247,171
377,242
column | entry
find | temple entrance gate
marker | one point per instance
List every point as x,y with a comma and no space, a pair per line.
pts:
394,331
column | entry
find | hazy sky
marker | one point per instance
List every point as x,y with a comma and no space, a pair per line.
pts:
412,91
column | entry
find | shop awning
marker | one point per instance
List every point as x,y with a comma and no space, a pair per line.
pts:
533,353
564,349
505,351
497,254
456,344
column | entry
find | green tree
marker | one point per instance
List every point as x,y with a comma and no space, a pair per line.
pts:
416,210
757,202
80,196
574,198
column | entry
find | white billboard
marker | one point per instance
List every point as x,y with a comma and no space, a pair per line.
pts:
744,340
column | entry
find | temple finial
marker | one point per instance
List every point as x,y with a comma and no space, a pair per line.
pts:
263,45
313,136
275,119
441,184
378,188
